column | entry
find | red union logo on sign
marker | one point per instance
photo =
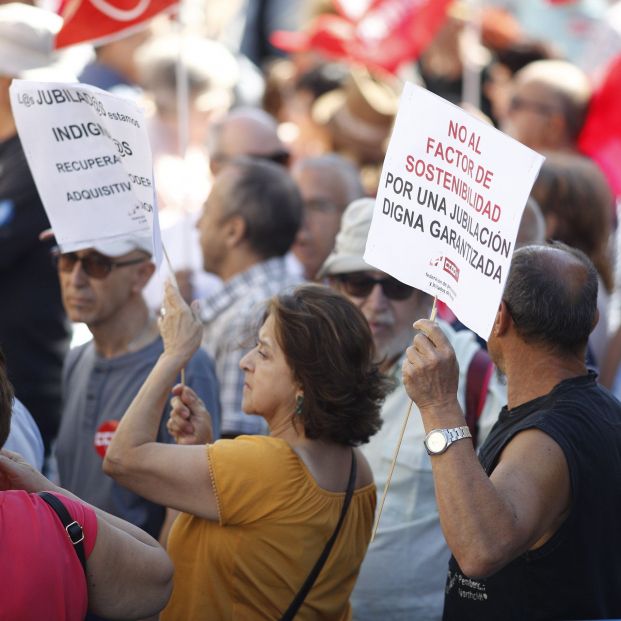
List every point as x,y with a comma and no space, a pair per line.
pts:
451,268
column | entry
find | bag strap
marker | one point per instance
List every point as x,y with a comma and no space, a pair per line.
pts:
479,374
74,530
290,613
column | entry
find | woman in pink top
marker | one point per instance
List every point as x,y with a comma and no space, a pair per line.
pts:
128,575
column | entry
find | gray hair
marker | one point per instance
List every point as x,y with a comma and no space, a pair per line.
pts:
266,197
552,302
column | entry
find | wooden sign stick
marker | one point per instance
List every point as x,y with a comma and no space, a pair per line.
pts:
432,317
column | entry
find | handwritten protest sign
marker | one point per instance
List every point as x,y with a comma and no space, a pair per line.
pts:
449,205
90,157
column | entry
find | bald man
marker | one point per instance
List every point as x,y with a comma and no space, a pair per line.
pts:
548,105
245,131
532,520
328,183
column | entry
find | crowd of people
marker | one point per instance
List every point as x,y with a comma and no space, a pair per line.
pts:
215,448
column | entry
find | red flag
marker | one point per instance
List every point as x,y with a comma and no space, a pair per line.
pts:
397,31
96,21
387,34
600,137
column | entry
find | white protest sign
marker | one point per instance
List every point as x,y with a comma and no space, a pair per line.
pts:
449,205
90,157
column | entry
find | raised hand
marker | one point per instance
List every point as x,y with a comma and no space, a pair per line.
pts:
180,327
189,421
430,370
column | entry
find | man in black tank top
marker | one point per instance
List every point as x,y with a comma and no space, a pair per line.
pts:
534,526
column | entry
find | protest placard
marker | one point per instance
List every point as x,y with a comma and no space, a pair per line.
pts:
91,161
449,204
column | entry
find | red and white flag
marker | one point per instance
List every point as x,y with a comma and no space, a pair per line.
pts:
381,34
97,21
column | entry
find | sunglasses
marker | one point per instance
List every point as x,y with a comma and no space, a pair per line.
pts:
94,265
517,103
360,286
280,156
321,205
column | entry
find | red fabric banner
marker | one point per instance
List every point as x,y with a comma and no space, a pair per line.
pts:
600,137
383,34
96,21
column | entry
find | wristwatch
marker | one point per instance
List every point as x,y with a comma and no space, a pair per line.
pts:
438,440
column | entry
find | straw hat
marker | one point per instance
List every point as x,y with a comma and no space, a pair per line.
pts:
360,115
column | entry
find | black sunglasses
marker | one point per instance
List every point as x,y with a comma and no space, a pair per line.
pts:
518,103
95,265
281,156
360,286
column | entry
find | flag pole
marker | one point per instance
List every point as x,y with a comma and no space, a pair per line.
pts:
471,77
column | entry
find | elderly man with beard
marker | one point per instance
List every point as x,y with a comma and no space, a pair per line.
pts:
409,540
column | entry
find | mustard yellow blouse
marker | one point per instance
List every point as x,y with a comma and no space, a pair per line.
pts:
274,523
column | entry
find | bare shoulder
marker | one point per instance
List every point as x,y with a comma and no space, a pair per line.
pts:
330,465
364,475
533,476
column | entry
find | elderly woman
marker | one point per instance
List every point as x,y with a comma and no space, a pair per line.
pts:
120,572
258,510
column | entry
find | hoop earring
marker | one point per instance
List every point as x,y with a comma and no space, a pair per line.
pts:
299,402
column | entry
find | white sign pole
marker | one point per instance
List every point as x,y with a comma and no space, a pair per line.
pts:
471,76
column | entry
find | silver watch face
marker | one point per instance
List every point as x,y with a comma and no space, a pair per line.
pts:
436,442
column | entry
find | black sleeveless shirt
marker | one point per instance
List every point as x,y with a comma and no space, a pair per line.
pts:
577,573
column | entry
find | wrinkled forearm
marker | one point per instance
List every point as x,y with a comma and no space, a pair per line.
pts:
140,424
479,525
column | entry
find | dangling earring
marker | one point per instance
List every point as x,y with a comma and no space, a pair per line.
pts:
299,402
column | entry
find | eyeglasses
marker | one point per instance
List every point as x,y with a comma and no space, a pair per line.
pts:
280,156
95,265
517,103
321,205
361,286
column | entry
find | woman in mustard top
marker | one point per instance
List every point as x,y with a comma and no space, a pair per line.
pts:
257,511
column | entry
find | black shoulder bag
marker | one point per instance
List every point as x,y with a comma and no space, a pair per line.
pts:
290,613
74,530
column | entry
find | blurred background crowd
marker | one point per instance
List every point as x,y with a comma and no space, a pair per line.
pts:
310,90
299,80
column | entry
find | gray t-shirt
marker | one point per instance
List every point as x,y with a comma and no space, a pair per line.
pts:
97,391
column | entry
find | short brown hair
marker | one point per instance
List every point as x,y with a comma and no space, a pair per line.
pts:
328,346
269,201
6,402
573,189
